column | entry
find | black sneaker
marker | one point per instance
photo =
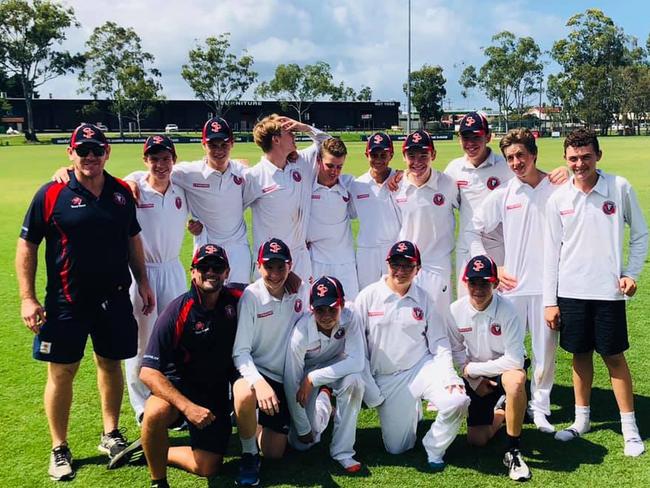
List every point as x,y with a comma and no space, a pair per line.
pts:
125,455
159,483
249,470
61,463
517,468
113,443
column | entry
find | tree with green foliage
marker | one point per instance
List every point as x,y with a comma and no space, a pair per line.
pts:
31,33
512,73
365,94
217,76
591,57
342,93
427,93
118,68
297,87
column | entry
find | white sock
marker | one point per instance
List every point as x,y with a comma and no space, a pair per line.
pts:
633,443
580,426
542,423
249,445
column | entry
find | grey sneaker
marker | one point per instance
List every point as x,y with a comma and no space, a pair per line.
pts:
61,463
125,455
113,443
517,468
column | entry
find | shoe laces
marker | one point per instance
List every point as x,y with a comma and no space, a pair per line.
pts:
116,437
514,459
61,455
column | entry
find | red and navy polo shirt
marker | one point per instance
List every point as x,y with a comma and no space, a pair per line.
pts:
193,344
87,238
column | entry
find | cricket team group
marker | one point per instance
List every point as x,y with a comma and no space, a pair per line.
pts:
309,327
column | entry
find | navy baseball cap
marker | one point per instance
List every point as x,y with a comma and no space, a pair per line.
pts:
158,141
209,252
405,249
481,267
326,291
379,140
474,123
420,139
88,134
274,249
216,128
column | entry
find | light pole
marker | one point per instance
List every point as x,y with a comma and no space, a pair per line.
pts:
408,78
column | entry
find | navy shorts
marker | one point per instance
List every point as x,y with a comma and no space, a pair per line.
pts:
280,421
481,408
109,322
214,437
588,325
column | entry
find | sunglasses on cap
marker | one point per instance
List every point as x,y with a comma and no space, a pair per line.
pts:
85,150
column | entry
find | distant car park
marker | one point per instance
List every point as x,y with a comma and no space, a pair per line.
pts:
171,128
101,127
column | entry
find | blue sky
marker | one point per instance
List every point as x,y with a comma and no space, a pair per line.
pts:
364,41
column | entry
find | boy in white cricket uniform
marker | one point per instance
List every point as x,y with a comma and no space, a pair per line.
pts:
426,200
372,204
162,212
329,234
487,341
410,358
586,282
268,310
278,188
519,208
326,349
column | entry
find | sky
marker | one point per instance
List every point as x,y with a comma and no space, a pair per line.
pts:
364,41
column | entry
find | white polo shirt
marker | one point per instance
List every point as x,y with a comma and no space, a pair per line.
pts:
583,245
474,185
216,199
427,216
491,341
520,209
373,205
329,233
325,359
401,331
263,330
281,198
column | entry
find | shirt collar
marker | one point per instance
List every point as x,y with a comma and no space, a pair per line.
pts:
432,182
490,311
337,188
387,293
600,187
207,170
489,161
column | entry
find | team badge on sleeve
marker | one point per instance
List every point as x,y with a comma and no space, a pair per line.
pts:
439,199
493,182
495,329
297,306
418,314
119,198
609,207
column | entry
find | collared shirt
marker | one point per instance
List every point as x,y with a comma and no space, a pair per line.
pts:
474,185
325,359
583,245
162,217
265,323
402,330
193,343
280,198
86,237
520,210
329,234
491,341
427,215
373,205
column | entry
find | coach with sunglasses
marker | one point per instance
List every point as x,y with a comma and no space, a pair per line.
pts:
91,241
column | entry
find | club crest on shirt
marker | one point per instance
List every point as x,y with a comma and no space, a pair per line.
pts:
77,202
438,199
418,314
229,310
339,334
297,177
237,179
493,182
179,202
119,199
346,199
609,207
200,328
495,329
297,306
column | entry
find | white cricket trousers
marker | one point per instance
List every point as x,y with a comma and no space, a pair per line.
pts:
544,344
371,264
438,287
349,392
400,412
167,281
345,273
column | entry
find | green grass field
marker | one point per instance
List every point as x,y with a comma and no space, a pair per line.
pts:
594,460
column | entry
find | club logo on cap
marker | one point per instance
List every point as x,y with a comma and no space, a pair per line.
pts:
321,290
210,249
179,203
216,126
469,121
274,247
493,182
88,132
439,199
157,140
495,329
478,265
377,139
609,207
418,314
401,247
416,137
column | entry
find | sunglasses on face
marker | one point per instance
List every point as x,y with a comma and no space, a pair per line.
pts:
83,151
402,266
217,268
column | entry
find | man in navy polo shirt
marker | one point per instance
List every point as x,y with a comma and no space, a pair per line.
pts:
91,240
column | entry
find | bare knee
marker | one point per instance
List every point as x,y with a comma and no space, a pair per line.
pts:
243,396
109,366
273,444
478,436
207,465
514,382
158,413
62,374
615,362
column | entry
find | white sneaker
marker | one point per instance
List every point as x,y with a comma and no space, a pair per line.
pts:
517,468
61,463
351,465
542,423
634,447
